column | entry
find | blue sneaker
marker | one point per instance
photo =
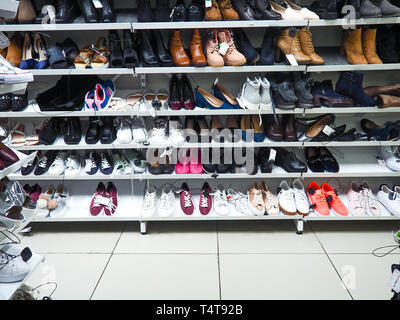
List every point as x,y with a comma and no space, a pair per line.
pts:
89,104
92,165
103,94
106,164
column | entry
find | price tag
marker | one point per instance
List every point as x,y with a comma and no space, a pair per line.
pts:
292,60
395,281
208,3
52,14
328,130
223,48
380,159
272,155
4,41
97,4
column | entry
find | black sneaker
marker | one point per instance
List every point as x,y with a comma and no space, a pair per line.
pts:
106,163
30,166
45,162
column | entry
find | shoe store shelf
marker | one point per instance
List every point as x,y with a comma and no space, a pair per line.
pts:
351,22
77,72
23,159
7,290
353,218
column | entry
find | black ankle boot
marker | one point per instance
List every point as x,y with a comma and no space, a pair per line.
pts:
263,9
162,53
245,9
386,44
144,11
89,11
162,11
107,13
267,49
66,11
326,9
196,11
114,42
245,47
147,54
131,58
180,12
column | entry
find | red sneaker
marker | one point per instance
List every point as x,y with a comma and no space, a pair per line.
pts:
112,194
333,200
185,198
317,199
99,200
205,204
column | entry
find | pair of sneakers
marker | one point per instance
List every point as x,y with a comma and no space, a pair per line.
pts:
293,200
166,130
104,200
102,162
67,163
166,207
130,130
361,200
325,199
255,95
100,97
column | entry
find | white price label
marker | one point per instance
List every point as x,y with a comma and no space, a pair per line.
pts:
395,281
292,60
328,130
223,48
208,3
97,4
272,155
4,41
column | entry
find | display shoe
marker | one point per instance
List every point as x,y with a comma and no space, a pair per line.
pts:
265,94
5,102
58,166
325,9
273,128
124,130
61,196
369,10
283,95
304,12
374,91
387,44
264,11
154,166
307,47
112,194
175,131
162,53
92,163
177,50
148,56
267,55
28,168
214,58
372,205
270,201
350,84
265,158
289,43
159,131
289,127
71,130
89,11
318,199
221,93
27,62
205,203
385,101
209,166
249,97
99,200
245,9
196,50
144,11
196,11
216,127
369,49
227,11
334,202
289,162
286,199
232,123
131,58
319,128
221,205
179,12
187,93
116,57
355,200
328,161
175,93
73,164
213,12
137,161
149,202
12,268
93,133
252,129
161,13
391,156
244,46
232,57
39,46
167,202
300,197
287,13
66,11
106,163
48,133
25,13
108,131
302,90
324,95
208,101
388,9
353,47
314,160
183,166
107,12
256,201
45,162
185,199
239,200
389,199
14,50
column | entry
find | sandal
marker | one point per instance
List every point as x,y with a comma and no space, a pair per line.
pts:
84,59
56,58
33,138
102,54
18,136
162,96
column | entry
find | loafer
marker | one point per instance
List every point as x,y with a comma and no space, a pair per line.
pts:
288,161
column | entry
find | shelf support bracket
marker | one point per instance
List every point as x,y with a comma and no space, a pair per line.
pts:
143,227
299,224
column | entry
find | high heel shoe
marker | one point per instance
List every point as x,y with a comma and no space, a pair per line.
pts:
175,93
40,48
116,58
131,58
206,100
187,93
28,62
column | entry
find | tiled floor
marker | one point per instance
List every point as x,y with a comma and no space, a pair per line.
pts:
209,260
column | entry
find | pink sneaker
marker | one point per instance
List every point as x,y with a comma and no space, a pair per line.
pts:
112,194
195,164
99,200
205,204
183,168
186,201
36,191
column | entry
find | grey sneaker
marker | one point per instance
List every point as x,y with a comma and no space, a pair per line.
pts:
249,96
265,94
121,164
137,161
302,90
284,96
139,132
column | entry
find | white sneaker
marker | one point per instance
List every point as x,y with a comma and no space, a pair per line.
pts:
12,268
167,202
256,200
265,94
372,205
61,197
286,199
391,155
124,131
73,164
355,199
304,12
175,134
300,197
221,206
389,199
139,132
58,166
10,74
137,160
240,201
149,202
249,96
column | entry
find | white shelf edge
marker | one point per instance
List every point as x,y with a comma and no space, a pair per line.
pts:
354,67
60,72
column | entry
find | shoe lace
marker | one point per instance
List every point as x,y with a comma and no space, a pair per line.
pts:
226,4
214,4
359,200
100,200
166,200
319,198
104,162
309,41
4,256
258,199
204,200
187,199
372,203
148,201
43,162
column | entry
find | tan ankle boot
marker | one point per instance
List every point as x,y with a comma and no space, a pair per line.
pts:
14,50
307,46
369,48
353,47
196,50
291,45
232,57
214,58
213,13
177,50
228,13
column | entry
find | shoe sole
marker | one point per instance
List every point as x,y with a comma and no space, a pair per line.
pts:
287,212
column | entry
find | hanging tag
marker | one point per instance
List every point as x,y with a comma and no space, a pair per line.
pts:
52,14
395,281
396,237
4,41
381,160
328,130
223,48
292,60
208,3
97,4
272,155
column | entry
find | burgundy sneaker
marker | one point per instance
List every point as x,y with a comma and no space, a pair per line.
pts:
205,204
35,192
99,200
112,194
185,198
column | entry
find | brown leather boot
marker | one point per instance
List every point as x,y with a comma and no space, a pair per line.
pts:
369,48
353,47
25,14
14,50
177,50
288,44
213,13
307,46
374,91
214,58
228,13
387,101
196,50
